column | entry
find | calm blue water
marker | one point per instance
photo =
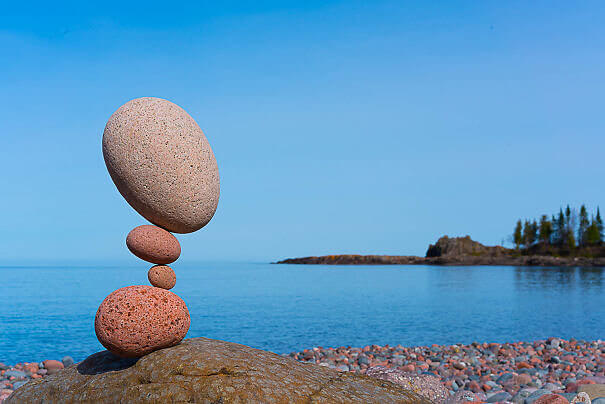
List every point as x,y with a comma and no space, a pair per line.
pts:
48,312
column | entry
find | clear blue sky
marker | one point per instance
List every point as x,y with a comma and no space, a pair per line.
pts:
338,126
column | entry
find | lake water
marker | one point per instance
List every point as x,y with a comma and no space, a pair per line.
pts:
48,312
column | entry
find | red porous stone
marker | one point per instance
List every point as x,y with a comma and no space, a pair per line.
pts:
523,365
551,399
51,364
523,378
153,244
162,276
136,320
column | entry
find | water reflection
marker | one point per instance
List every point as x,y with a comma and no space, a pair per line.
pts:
589,279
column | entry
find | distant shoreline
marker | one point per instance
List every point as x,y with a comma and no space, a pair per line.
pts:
463,251
468,260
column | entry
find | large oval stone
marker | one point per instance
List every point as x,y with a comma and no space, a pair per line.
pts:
153,244
136,320
162,164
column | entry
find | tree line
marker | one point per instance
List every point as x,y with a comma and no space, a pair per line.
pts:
567,229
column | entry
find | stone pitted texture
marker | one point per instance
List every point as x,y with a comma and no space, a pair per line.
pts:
425,385
136,320
162,164
202,370
162,276
551,399
461,246
153,244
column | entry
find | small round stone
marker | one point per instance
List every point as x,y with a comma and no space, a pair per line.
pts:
162,164
136,320
162,276
153,244
67,361
52,366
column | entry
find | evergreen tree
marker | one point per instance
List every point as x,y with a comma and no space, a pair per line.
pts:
561,231
599,224
518,234
571,240
546,230
554,238
592,233
583,226
534,232
529,233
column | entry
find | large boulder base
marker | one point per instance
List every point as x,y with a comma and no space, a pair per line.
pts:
203,370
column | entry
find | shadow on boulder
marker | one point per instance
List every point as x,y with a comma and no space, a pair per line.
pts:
103,362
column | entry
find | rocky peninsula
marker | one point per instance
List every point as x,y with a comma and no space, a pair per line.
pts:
462,251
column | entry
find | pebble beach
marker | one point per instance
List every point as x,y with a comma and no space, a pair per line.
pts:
542,371
519,372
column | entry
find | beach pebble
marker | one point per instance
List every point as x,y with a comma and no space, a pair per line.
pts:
551,399
15,373
153,244
67,361
461,397
136,320
52,366
162,164
500,396
533,397
162,276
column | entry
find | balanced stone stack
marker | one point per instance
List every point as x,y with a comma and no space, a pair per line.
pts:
162,164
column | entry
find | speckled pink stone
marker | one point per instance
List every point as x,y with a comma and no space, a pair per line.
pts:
162,276
162,164
136,320
153,244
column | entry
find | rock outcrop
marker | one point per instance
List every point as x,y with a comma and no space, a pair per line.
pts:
460,246
202,370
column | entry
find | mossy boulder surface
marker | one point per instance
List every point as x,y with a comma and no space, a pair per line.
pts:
203,370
